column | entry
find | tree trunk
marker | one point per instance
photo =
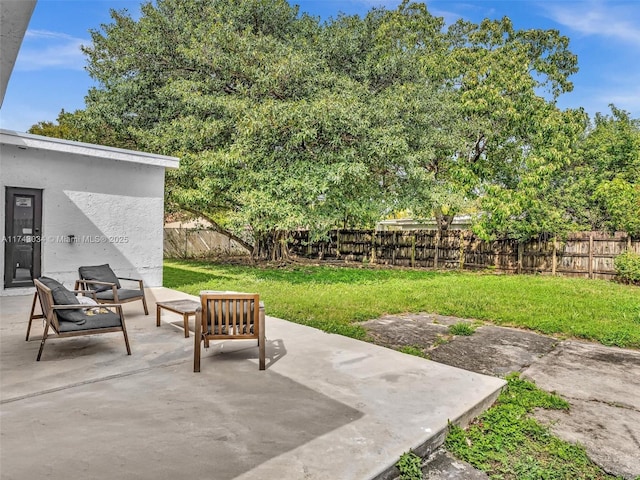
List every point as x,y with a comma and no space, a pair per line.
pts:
443,221
271,246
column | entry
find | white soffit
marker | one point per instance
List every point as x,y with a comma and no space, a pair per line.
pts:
14,19
39,142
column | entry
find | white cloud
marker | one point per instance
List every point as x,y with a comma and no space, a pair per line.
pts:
389,4
43,49
620,21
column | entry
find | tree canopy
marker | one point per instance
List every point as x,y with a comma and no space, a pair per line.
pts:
282,121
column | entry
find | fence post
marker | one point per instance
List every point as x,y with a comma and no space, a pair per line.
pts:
413,250
395,247
461,251
373,246
520,255
436,253
554,260
186,243
591,255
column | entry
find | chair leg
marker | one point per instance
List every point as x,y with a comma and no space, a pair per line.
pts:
44,339
31,315
261,340
124,331
144,304
197,339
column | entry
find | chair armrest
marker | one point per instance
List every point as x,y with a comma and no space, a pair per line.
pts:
86,283
84,291
96,282
133,280
116,306
70,307
91,293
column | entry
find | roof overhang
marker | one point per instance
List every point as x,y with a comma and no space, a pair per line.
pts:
14,19
27,141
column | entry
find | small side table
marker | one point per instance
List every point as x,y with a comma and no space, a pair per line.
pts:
186,308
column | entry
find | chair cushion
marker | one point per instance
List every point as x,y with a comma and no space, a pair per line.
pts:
99,273
99,320
63,296
218,327
123,294
222,330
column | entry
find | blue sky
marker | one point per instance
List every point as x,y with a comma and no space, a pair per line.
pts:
49,73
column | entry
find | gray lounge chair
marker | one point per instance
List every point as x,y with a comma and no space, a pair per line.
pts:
66,317
107,287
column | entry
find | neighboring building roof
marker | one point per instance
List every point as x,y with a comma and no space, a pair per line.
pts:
459,222
39,142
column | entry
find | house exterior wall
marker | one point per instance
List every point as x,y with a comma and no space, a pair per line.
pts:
113,208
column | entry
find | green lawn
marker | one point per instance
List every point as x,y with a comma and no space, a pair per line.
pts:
335,299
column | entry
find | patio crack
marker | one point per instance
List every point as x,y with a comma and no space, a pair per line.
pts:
88,382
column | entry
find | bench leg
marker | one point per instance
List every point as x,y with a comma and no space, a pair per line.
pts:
157,315
185,317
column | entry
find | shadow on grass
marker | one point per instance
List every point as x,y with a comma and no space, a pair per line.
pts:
175,277
292,274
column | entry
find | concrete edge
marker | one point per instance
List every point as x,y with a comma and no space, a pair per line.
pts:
435,441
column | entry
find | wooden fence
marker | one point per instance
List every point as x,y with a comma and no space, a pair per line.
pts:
585,254
198,243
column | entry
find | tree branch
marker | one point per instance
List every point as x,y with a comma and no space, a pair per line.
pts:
218,228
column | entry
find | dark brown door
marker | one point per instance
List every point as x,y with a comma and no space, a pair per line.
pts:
22,236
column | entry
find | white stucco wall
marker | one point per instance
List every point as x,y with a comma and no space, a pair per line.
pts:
110,202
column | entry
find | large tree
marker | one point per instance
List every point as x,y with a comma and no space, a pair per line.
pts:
284,122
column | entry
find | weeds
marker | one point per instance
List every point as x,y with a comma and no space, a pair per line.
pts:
410,466
462,329
507,443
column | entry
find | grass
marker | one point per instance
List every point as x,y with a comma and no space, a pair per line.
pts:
508,444
462,329
335,299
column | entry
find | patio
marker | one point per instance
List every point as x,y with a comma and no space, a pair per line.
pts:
326,407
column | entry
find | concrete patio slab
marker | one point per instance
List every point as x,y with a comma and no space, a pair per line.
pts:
491,350
602,384
326,407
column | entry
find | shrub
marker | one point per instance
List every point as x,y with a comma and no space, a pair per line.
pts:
627,266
